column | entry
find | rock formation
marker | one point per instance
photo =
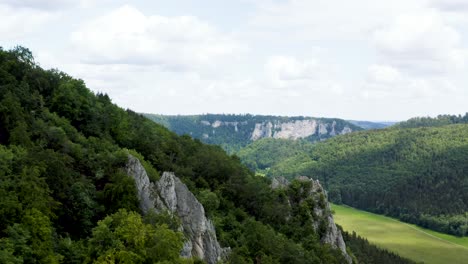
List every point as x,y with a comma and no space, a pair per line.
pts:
296,129
333,235
169,193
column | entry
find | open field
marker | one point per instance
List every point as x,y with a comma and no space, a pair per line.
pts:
407,240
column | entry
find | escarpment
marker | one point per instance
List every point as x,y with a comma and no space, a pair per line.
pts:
233,132
169,193
309,190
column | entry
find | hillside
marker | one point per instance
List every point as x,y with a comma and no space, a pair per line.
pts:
69,193
441,120
232,132
419,175
371,125
271,157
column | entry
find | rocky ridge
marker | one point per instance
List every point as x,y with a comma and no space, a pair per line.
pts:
235,131
170,194
332,235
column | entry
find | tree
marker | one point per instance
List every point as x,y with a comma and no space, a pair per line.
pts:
123,237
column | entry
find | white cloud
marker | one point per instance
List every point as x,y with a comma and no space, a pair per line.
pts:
386,82
422,43
329,19
287,68
127,36
48,5
17,23
450,5
383,74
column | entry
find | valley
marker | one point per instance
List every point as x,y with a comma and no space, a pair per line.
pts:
410,241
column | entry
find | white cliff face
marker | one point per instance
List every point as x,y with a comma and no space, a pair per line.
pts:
144,187
322,129
262,130
219,123
169,193
346,130
297,129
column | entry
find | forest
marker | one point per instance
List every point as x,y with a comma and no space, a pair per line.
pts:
234,132
418,175
65,197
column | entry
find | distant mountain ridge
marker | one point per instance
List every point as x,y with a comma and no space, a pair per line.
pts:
372,124
233,132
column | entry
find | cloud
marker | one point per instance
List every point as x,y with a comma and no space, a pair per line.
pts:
127,36
47,5
383,74
450,5
328,19
17,23
387,82
420,43
287,68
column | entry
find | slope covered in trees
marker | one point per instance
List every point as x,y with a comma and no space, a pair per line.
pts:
267,156
65,196
441,120
232,132
419,175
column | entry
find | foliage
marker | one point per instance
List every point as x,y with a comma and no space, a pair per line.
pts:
418,175
440,120
264,154
123,237
65,196
233,132
364,252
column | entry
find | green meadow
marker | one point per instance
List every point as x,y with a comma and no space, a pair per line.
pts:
407,240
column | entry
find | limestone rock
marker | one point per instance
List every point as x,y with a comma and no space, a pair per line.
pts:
279,183
169,193
332,235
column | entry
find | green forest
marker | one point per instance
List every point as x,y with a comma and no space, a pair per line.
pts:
236,130
65,197
416,174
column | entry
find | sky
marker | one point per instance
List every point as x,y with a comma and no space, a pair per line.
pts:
360,59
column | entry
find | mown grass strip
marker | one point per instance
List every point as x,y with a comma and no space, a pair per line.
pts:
407,240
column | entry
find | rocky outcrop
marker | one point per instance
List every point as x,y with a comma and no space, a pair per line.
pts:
279,183
262,130
332,235
169,193
296,129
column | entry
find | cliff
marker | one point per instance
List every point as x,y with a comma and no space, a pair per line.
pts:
233,132
329,234
169,193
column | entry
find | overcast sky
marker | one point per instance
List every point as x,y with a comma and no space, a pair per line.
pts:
360,59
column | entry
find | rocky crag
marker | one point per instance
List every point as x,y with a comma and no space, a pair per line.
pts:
332,235
170,194
235,131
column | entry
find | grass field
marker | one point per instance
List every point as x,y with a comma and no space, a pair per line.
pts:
407,240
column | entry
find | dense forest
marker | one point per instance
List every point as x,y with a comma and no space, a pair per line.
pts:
419,175
233,132
440,120
65,196
368,253
267,156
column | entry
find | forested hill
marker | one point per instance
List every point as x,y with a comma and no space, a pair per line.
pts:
233,132
65,196
440,120
419,175
372,125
